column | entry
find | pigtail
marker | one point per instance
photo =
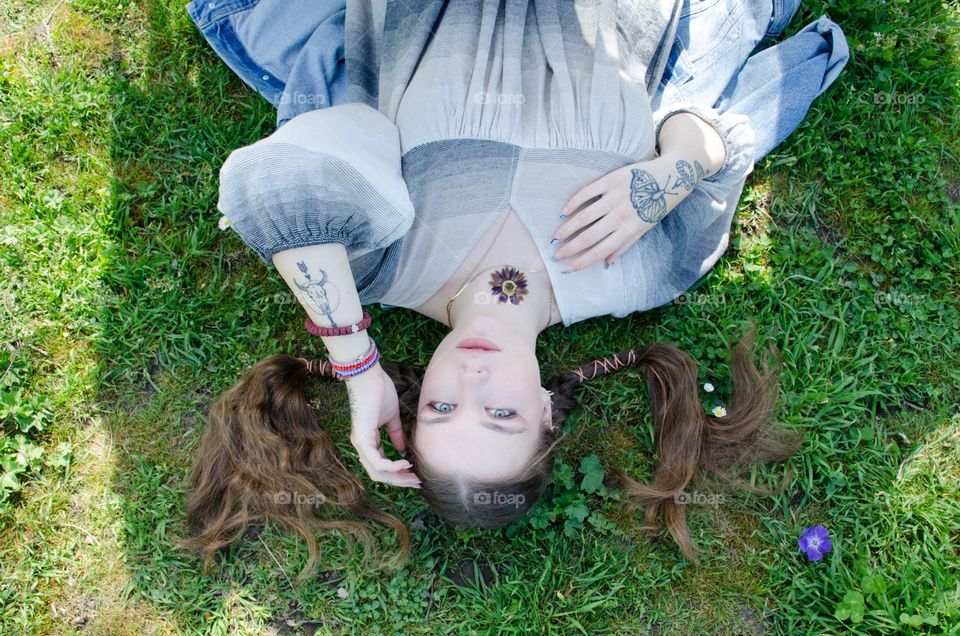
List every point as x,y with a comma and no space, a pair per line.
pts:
264,456
690,442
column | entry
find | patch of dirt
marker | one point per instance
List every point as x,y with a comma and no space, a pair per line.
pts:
751,624
77,612
953,191
893,410
331,579
827,235
295,622
470,571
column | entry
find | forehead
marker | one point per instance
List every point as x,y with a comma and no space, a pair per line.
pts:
462,447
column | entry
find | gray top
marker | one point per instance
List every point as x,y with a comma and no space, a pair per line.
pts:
495,103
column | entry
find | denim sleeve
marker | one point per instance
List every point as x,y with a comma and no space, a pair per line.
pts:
789,75
327,176
289,51
736,132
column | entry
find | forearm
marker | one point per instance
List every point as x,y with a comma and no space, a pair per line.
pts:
687,137
322,281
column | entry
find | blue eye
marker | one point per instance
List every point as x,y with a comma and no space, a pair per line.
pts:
501,414
441,407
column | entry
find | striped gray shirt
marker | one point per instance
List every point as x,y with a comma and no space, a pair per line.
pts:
486,104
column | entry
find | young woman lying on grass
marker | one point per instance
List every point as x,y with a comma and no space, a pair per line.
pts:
499,169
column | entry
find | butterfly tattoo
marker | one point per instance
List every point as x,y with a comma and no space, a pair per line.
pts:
649,198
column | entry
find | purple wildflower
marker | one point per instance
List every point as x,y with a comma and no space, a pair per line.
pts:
815,542
509,285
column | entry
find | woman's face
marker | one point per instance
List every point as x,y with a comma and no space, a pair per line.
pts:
482,411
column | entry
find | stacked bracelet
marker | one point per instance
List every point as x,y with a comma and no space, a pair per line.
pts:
356,327
344,370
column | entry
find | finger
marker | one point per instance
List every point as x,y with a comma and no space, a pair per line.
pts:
589,237
372,456
380,463
404,479
621,250
581,219
395,432
584,194
598,251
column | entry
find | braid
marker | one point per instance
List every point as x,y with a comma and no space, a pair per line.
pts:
319,367
605,366
690,443
564,386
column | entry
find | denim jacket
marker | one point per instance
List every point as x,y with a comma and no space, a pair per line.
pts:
720,57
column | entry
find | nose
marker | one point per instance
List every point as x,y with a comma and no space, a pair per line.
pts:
472,373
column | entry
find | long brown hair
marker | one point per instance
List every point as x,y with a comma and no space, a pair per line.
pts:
264,456
263,439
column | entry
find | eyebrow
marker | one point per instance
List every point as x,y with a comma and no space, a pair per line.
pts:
485,423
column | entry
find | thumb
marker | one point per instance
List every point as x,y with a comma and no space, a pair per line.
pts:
395,432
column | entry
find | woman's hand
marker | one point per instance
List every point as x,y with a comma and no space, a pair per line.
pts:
373,403
633,199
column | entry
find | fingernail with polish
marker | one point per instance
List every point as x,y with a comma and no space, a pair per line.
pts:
563,216
554,240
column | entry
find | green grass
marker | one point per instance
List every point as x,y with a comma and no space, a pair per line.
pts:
126,311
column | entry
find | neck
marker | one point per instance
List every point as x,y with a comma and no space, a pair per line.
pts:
478,300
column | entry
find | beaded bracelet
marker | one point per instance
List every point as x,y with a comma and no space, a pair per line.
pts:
344,370
317,330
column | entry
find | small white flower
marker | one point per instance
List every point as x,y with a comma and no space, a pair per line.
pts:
342,592
719,411
708,387
224,223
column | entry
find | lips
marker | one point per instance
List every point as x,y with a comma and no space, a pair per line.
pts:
478,345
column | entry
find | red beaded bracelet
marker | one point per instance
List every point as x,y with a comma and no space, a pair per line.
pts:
344,370
346,330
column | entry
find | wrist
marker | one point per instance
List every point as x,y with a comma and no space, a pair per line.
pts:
365,377
344,369
347,347
691,138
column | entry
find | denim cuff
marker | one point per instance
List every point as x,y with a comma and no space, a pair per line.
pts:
213,19
735,131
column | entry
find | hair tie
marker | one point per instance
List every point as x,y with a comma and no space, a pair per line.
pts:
606,365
